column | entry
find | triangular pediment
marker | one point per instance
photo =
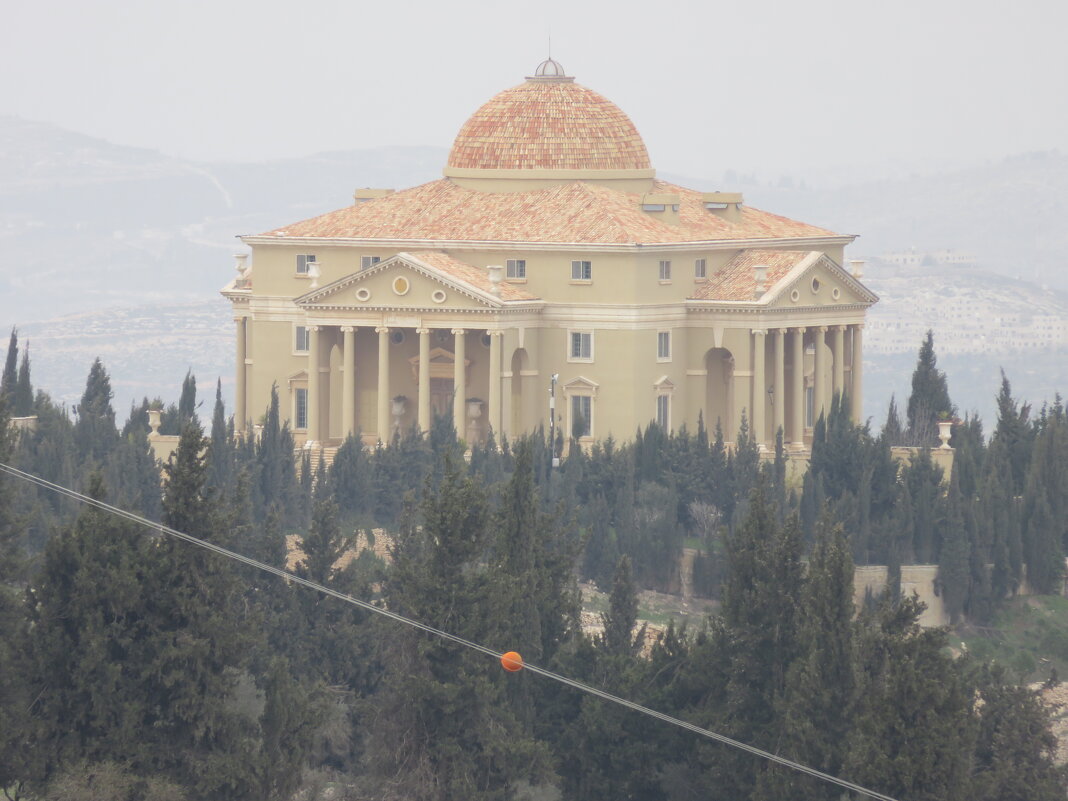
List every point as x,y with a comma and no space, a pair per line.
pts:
406,281
817,282
581,383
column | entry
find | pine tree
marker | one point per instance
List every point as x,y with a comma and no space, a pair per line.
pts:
929,400
819,696
1013,435
913,730
1015,749
441,711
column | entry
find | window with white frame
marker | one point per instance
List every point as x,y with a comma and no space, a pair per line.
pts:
303,262
581,271
663,411
580,347
300,339
581,416
515,268
665,270
700,268
663,346
300,408
369,261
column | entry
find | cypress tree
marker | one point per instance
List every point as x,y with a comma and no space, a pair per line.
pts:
892,433
94,430
22,400
929,400
11,366
954,571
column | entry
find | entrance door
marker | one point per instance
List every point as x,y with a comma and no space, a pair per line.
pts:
441,397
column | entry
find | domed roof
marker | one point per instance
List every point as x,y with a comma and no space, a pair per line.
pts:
549,123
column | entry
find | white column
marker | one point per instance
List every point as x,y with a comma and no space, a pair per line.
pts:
459,377
314,385
495,382
383,384
241,390
424,379
858,372
819,376
759,384
348,382
779,397
838,354
797,405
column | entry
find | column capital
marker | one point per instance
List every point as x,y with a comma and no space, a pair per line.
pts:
315,327
381,329
347,329
781,331
858,326
799,329
495,333
240,318
422,331
458,331
820,329
759,332
840,327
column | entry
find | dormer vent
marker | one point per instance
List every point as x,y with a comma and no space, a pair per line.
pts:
857,266
662,205
727,205
363,195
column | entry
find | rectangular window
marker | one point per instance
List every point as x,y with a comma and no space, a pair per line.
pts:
300,400
581,345
516,268
700,268
663,345
369,261
300,339
581,415
663,411
303,260
665,270
581,271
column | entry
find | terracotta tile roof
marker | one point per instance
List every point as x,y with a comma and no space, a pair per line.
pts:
570,212
556,125
736,281
465,273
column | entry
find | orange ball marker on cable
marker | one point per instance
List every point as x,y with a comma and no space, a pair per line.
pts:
511,661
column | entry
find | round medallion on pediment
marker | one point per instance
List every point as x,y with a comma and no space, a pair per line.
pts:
401,285
363,294
438,296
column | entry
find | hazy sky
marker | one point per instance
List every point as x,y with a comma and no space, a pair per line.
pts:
711,85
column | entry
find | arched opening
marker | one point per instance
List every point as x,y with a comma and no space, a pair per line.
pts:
719,391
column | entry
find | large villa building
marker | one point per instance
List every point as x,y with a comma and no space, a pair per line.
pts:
549,259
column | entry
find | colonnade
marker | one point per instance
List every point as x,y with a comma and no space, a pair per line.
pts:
845,374
317,415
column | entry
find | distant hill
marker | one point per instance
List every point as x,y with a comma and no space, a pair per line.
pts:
87,227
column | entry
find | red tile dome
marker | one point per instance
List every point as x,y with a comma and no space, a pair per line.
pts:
549,123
